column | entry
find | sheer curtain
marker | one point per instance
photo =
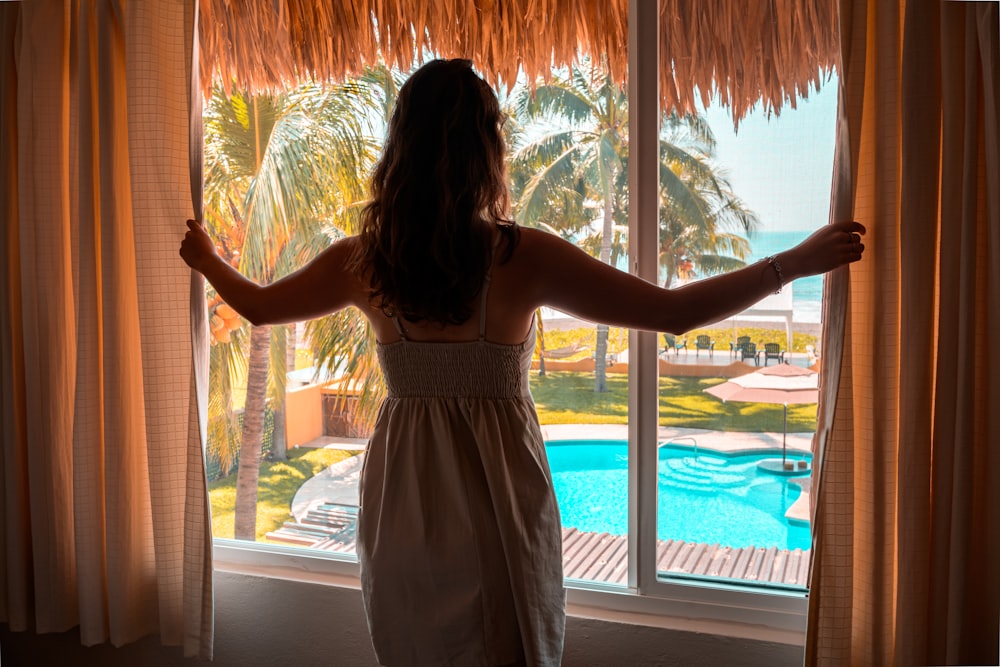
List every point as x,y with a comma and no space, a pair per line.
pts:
908,513
104,522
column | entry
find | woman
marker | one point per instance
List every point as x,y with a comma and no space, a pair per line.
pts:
459,536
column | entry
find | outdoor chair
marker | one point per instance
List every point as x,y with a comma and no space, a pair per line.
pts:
749,350
773,351
674,343
734,348
704,342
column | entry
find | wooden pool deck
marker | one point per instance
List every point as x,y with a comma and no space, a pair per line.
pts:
597,557
603,557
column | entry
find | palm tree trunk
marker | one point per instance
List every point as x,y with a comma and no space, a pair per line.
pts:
669,261
601,348
253,434
279,445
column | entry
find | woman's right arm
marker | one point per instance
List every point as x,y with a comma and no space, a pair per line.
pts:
568,279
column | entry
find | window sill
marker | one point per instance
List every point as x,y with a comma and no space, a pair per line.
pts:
715,609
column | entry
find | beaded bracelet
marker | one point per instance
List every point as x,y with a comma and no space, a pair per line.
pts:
773,261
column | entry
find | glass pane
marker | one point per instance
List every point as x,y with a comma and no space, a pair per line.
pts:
569,176
306,439
287,419
734,461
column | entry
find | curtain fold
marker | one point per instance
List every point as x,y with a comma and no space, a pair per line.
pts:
105,519
906,539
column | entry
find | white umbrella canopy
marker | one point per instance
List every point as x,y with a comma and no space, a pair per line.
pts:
783,384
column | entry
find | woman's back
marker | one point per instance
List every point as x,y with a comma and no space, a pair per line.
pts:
507,316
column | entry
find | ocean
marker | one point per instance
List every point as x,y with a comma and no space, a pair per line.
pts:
807,293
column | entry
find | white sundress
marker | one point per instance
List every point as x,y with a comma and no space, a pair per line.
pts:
459,535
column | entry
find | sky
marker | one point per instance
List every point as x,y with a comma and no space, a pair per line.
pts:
782,167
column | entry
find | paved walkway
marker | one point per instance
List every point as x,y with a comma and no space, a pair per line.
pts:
336,484
722,441
725,358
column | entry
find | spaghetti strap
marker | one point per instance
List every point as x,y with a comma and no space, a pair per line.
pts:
486,288
399,327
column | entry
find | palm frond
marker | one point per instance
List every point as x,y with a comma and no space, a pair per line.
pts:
227,365
557,99
344,344
557,173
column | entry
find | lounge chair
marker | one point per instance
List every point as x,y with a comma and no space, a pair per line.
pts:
773,351
674,343
704,342
734,348
749,350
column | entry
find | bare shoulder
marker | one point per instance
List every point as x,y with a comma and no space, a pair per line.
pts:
546,254
339,256
537,264
537,240
343,260
345,247
538,249
556,273
334,270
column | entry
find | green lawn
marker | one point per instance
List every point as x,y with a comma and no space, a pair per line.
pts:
561,398
279,480
569,398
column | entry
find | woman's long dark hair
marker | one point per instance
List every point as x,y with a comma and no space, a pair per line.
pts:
438,191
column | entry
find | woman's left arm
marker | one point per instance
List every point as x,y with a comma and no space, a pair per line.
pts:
321,287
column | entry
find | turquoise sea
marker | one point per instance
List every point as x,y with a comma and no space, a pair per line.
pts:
807,293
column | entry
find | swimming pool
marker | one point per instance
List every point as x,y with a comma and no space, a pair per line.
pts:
702,496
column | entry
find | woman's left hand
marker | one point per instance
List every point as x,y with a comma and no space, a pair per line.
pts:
197,248
827,248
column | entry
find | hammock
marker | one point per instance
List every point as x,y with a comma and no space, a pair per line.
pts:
563,352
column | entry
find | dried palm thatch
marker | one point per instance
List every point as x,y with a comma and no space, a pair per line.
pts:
744,51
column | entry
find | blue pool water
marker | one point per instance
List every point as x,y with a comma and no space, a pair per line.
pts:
703,496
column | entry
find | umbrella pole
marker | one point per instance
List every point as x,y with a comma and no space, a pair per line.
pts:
784,437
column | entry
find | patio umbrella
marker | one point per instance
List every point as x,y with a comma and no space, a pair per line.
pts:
783,384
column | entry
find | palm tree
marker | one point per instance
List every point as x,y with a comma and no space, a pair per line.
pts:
703,224
580,163
583,163
344,343
279,171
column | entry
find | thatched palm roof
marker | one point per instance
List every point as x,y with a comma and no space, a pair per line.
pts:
744,51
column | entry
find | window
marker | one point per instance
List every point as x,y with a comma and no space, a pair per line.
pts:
733,458
632,430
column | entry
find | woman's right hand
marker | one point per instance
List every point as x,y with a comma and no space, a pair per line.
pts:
197,248
825,249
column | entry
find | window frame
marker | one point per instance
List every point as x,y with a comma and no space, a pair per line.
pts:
712,607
